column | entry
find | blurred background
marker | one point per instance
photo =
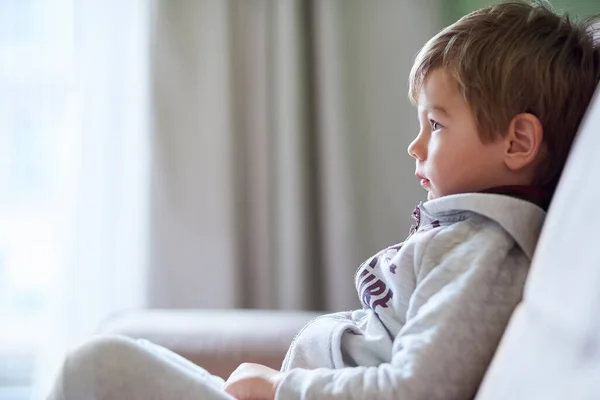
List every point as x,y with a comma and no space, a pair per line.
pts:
198,154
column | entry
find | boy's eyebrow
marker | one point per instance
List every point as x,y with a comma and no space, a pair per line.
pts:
440,109
435,107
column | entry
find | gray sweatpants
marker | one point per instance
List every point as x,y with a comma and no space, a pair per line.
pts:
115,368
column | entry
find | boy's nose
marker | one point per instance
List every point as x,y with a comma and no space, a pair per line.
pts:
416,149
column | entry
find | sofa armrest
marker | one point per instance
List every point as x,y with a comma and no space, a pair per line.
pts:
217,340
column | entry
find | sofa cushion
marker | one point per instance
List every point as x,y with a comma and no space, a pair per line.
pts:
550,349
217,340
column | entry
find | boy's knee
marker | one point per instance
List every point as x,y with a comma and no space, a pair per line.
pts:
106,360
102,350
98,361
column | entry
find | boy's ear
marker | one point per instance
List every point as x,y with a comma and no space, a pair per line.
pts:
523,141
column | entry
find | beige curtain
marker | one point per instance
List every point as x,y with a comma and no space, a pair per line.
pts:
279,147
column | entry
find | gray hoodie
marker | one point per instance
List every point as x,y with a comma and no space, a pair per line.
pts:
434,307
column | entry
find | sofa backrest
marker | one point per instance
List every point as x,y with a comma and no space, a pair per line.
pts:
551,349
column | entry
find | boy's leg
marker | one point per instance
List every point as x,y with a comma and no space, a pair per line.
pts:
115,368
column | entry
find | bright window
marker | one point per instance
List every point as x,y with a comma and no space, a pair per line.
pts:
36,175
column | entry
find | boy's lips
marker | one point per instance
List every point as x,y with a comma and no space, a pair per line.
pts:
424,181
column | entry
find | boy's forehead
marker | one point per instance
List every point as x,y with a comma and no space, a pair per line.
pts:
439,88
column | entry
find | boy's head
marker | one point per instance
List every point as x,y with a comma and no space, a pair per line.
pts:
500,96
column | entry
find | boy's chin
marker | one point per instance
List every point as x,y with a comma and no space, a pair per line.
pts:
431,195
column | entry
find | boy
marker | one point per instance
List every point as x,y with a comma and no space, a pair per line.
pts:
500,95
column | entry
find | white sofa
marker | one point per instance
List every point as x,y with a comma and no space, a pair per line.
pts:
551,349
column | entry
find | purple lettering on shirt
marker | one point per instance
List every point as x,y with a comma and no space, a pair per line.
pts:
369,278
373,262
377,288
383,302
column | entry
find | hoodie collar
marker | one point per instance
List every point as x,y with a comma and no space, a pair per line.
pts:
522,219
538,195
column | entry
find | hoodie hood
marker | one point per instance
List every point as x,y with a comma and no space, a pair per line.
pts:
523,220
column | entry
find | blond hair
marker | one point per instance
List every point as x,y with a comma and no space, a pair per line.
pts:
517,58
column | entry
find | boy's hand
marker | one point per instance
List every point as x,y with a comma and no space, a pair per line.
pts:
253,382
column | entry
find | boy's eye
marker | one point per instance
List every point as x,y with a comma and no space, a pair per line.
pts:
434,125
